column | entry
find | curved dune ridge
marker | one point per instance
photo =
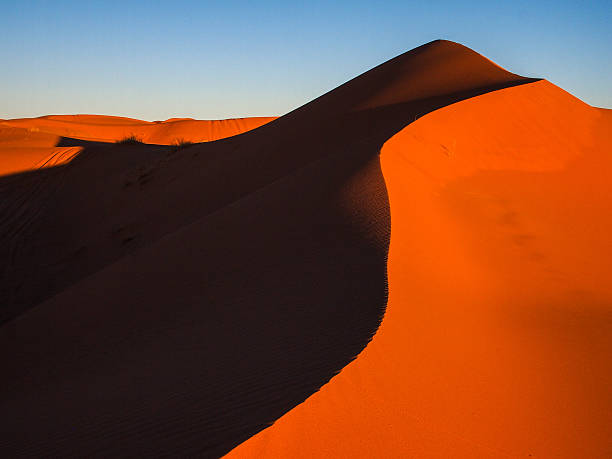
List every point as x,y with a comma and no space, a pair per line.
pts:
32,143
497,335
178,302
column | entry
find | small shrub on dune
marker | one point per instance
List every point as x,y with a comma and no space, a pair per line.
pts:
130,140
179,144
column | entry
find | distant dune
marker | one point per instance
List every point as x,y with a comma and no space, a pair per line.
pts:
31,143
415,264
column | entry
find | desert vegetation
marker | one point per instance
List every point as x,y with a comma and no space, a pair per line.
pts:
132,139
180,143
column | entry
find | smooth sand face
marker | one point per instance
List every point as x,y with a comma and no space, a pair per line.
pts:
33,143
496,340
23,149
179,302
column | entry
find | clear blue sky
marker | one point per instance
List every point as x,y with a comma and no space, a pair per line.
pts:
220,59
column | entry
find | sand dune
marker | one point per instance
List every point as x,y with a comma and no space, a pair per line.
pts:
113,128
496,340
22,150
162,302
32,143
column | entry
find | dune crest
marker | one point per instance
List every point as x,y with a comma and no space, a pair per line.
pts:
163,302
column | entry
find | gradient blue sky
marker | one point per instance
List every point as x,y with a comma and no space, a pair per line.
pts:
221,59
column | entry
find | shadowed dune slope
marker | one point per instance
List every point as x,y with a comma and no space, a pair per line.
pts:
32,143
162,302
497,335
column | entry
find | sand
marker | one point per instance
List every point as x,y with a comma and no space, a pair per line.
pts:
164,302
32,143
496,339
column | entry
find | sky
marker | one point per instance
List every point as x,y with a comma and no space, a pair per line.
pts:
224,59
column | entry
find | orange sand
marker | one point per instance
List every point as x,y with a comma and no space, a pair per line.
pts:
496,340
31,143
175,303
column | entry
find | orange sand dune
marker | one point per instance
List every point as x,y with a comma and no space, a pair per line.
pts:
114,128
31,143
22,150
497,336
222,298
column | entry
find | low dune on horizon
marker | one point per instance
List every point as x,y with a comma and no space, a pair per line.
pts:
34,143
415,264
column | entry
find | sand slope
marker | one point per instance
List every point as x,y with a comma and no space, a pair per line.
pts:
32,143
113,128
497,336
116,199
164,302
22,149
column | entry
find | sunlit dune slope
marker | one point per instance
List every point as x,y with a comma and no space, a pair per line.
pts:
32,143
22,150
497,335
162,302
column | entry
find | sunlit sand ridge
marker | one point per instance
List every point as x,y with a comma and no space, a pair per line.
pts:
496,340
